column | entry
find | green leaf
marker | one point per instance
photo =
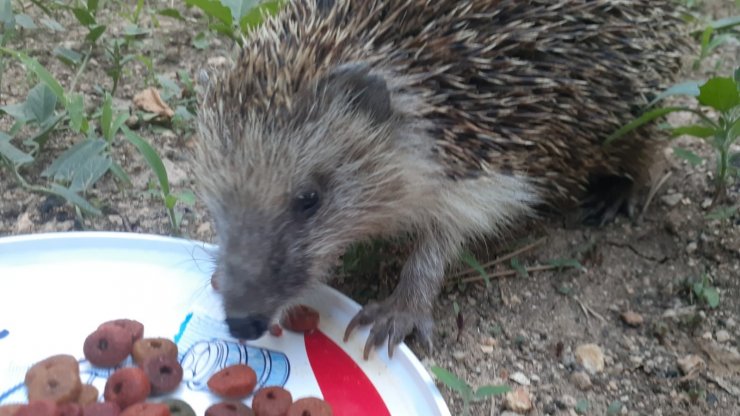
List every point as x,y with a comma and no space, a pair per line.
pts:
44,75
711,296
107,117
213,9
151,157
173,13
81,165
13,154
256,16
18,111
41,136
722,213
719,93
52,24
41,102
95,33
169,201
468,258
121,174
92,6
76,110
67,56
200,41
7,18
169,87
25,21
688,156
187,197
520,270
83,16
487,391
642,120
73,198
737,76
562,263
450,380
582,406
725,23
688,88
614,408
239,8
696,130
706,36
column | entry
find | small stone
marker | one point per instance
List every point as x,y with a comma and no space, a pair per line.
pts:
691,363
672,200
722,336
581,380
217,61
487,349
519,378
568,401
590,357
518,400
508,413
489,341
691,247
23,224
632,318
612,385
458,355
706,203
707,335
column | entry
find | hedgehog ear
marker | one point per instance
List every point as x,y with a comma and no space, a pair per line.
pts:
367,92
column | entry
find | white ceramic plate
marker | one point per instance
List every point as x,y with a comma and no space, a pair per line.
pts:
55,289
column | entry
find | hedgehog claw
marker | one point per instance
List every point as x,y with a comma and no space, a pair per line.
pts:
391,323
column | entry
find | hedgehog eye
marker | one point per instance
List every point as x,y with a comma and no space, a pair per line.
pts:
307,203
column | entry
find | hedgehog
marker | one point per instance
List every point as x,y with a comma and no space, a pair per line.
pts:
444,121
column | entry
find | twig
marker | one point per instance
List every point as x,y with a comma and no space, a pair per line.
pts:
501,259
723,384
653,192
586,310
503,273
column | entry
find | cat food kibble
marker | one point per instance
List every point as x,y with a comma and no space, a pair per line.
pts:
127,386
88,394
135,328
179,407
233,382
147,409
57,382
271,401
70,409
229,409
310,406
164,373
60,360
276,330
300,318
10,409
150,347
101,409
107,346
39,408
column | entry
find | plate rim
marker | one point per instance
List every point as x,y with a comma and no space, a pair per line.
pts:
132,237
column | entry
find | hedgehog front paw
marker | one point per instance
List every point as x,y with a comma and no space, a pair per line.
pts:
392,321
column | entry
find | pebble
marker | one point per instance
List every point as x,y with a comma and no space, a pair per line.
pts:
590,357
508,413
519,378
518,400
632,318
568,401
672,200
581,380
458,355
691,363
722,336
691,247
707,335
23,224
706,203
487,349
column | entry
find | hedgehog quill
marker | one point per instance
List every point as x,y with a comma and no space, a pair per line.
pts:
444,120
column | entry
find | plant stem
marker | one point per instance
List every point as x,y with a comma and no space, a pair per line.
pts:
80,70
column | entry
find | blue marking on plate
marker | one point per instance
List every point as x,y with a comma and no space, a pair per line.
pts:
4,395
207,347
183,326
4,333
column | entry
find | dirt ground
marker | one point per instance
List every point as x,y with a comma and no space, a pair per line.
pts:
522,331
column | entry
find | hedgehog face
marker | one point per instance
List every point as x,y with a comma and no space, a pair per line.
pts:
288,197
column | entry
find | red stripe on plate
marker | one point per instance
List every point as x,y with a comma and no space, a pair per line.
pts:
342,382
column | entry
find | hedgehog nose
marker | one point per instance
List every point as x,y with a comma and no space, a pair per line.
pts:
248,328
